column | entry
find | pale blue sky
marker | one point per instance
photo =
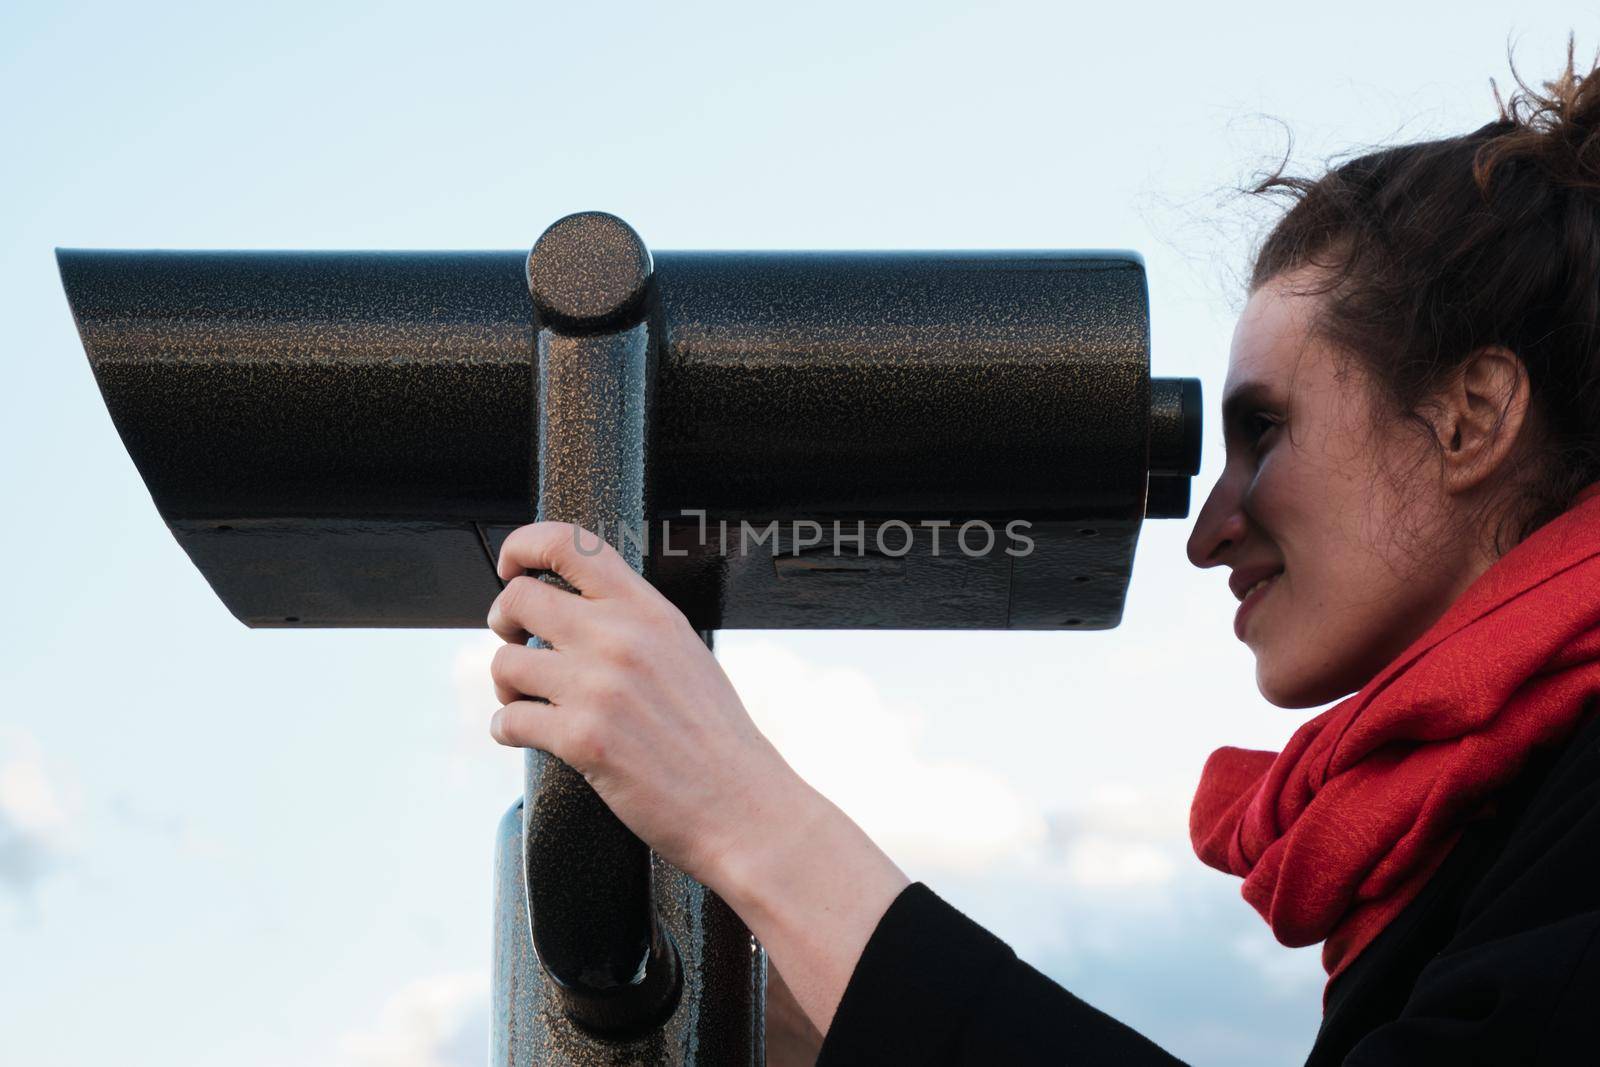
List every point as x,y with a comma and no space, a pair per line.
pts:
262,848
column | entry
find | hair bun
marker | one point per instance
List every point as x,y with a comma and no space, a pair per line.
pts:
1557,128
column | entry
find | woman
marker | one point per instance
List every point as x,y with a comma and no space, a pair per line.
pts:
1410,511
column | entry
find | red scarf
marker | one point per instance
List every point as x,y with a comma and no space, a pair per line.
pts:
1338,832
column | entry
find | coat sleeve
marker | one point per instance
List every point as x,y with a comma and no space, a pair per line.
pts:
934,987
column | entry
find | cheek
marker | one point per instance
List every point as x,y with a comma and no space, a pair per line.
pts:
1351,592
1336,577
1314,636
1340,619
1318,511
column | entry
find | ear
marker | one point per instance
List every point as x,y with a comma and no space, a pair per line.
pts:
1480,415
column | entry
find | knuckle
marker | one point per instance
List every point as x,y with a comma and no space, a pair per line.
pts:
504,726
512,547
626,650
560,538
670,619
582,556
519,597
619,645
496,616
501,664
656,612
585,742
607,688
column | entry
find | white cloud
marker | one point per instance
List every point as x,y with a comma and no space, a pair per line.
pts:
26,795
439,1021
474,754
33,820
1123,836
469,676
853,745
1287,973
1099,861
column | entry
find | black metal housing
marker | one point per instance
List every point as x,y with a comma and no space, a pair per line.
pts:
345,438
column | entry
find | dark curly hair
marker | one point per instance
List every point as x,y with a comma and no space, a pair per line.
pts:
1429,251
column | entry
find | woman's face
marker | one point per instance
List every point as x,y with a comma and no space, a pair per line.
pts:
1312,493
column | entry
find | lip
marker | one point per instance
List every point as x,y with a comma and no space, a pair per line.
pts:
1243,577
1250,602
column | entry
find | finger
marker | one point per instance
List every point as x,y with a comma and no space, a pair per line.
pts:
576,554
520,672
529,724
529,606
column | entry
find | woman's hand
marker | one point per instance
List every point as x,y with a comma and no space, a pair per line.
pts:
640,707
637,703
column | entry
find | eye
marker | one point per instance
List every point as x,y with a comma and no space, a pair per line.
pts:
1257,424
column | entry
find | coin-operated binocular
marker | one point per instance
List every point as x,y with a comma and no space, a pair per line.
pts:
909,440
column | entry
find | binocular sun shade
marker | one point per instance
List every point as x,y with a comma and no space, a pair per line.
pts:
345,438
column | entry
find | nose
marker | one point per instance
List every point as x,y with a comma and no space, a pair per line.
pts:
1220,525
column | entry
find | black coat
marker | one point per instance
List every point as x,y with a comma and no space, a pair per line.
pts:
1496,961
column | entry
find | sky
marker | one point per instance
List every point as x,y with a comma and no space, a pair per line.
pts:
274,847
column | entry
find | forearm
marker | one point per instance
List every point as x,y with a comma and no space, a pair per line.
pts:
628,695
811,885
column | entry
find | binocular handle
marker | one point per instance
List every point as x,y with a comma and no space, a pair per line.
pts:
593,921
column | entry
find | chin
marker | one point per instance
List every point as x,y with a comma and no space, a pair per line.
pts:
1284,686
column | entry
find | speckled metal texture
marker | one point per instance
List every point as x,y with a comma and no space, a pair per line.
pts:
593,926
875,384
605,956
589,272
367,387
271,399
724,969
